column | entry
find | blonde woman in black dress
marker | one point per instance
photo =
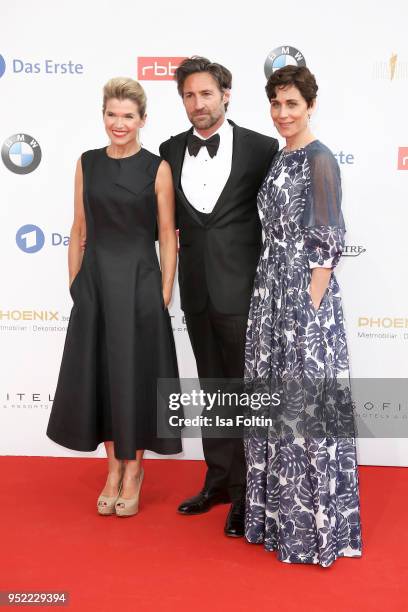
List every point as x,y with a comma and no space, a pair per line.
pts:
119,339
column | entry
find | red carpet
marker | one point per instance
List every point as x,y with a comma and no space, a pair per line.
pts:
53,540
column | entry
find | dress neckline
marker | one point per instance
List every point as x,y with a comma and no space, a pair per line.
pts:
300,148
122,158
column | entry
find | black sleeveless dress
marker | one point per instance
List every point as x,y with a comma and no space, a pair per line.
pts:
119,338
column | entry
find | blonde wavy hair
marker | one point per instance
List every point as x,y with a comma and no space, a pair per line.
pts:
123,88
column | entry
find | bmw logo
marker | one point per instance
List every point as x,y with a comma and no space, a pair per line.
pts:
281,57
30,238
2,66
21,153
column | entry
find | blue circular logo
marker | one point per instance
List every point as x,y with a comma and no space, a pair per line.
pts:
2,66
21,154
30,238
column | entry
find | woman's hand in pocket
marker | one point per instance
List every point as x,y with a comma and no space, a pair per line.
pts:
315,297
318,285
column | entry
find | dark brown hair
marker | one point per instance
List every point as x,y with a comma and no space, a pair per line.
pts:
299,76
191,65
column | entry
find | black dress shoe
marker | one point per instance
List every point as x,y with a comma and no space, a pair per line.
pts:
235,523
203,502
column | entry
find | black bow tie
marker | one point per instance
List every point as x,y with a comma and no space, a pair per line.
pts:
194,144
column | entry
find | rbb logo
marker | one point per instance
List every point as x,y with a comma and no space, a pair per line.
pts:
403,158
157,68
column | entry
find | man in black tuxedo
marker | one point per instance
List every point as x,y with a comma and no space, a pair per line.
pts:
217,168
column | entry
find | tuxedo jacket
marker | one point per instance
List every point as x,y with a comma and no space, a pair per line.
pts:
218,256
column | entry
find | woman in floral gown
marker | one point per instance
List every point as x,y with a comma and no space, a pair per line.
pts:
302,480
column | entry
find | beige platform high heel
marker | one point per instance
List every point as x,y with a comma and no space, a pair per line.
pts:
129,507
106,504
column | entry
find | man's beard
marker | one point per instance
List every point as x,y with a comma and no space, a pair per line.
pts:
205,123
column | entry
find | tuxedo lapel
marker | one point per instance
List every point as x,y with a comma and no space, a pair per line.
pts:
177,169
238,154
179,158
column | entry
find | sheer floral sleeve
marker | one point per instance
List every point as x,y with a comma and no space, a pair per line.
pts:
323,224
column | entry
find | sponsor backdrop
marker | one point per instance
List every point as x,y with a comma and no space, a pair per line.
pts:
52,69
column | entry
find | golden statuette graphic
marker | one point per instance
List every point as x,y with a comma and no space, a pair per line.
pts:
393,65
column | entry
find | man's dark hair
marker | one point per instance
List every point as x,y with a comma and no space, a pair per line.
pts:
191,65
299,76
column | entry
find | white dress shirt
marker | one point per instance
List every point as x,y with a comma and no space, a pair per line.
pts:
203,177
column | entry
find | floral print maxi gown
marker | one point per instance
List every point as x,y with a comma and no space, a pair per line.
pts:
302,480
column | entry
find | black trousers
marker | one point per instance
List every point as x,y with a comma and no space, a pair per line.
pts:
218,342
